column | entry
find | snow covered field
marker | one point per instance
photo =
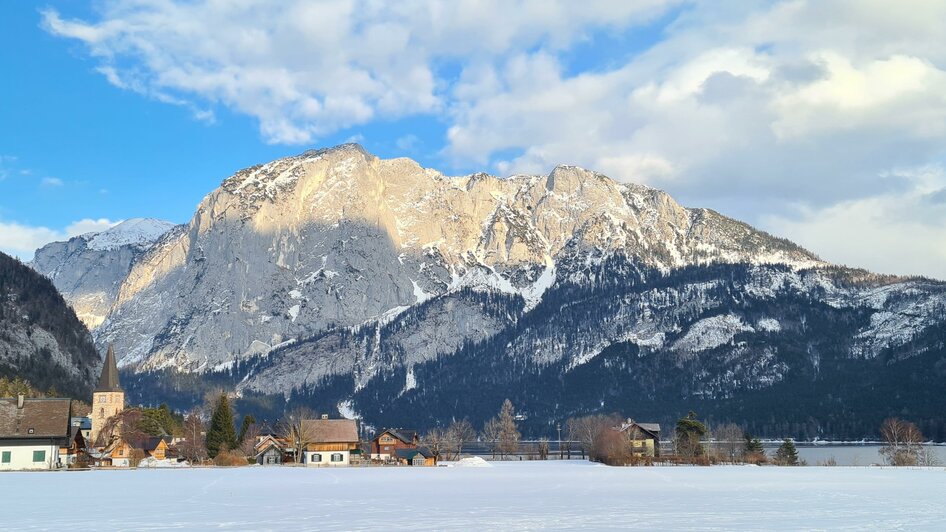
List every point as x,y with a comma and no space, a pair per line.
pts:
508,496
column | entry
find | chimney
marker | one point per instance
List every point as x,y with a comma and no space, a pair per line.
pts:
324,416
19,400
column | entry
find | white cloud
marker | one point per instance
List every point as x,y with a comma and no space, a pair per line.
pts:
22,240
51,182
901,233
785,114
306,69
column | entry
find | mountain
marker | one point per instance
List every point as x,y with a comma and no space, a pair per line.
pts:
41,340
384,289
89,269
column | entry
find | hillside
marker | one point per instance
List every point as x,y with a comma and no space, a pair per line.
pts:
388,290
41,340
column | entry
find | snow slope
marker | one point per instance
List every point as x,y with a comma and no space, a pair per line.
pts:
134,231
510,496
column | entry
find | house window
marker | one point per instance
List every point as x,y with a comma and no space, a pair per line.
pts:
316,458
6,457
337,457
39,456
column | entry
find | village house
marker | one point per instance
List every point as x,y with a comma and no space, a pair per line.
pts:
385,445
32,432
84,425
128,452
270,450
332,442
75,452
644,438
416,456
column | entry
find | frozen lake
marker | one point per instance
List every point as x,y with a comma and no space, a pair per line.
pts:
508,496
848,454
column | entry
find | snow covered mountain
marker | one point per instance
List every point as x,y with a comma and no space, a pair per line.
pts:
384,288
335,238
89,269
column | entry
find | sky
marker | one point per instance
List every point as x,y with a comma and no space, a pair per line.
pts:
820,121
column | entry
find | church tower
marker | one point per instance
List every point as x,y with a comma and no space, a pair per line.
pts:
108,398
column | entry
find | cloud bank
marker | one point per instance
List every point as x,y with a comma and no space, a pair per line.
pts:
823,121
21,240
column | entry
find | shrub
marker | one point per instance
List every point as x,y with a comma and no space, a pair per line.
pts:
230,459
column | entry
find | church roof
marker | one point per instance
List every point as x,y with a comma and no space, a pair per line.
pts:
108,382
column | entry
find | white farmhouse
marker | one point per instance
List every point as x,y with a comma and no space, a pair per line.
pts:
331,442
32,432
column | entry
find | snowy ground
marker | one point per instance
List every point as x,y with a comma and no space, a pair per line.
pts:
509,496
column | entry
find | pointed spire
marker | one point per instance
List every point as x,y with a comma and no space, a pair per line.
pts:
108,382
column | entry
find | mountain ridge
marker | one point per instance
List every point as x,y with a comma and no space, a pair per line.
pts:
354,282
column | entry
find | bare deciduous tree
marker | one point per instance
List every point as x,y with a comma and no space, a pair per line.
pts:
193,448
437,442
125,424
457,434
250,437
730,441
293,429
491,433
902,442
543,449
588,429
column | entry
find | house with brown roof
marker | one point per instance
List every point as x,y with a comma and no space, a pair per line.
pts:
644,438
331,442
127,452
32,431
385,445
270,450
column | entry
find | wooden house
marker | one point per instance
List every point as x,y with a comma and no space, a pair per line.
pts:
32,432
644,438
128,452
270,450
384,446
75,453
118,454
332,442
415,456
156,448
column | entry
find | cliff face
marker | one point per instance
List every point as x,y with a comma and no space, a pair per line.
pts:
382,288
338,237
89,269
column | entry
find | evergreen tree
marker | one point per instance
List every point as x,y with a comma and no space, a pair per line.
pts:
688,434
222,434
753,445
786,454
248,421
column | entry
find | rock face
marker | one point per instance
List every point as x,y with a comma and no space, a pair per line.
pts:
41,340
383,288
89,269
335,238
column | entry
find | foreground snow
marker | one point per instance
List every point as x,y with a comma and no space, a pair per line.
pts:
508,496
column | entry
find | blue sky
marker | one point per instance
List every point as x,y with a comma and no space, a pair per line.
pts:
824,122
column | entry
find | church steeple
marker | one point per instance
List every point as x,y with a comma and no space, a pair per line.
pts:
108,381
108,398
